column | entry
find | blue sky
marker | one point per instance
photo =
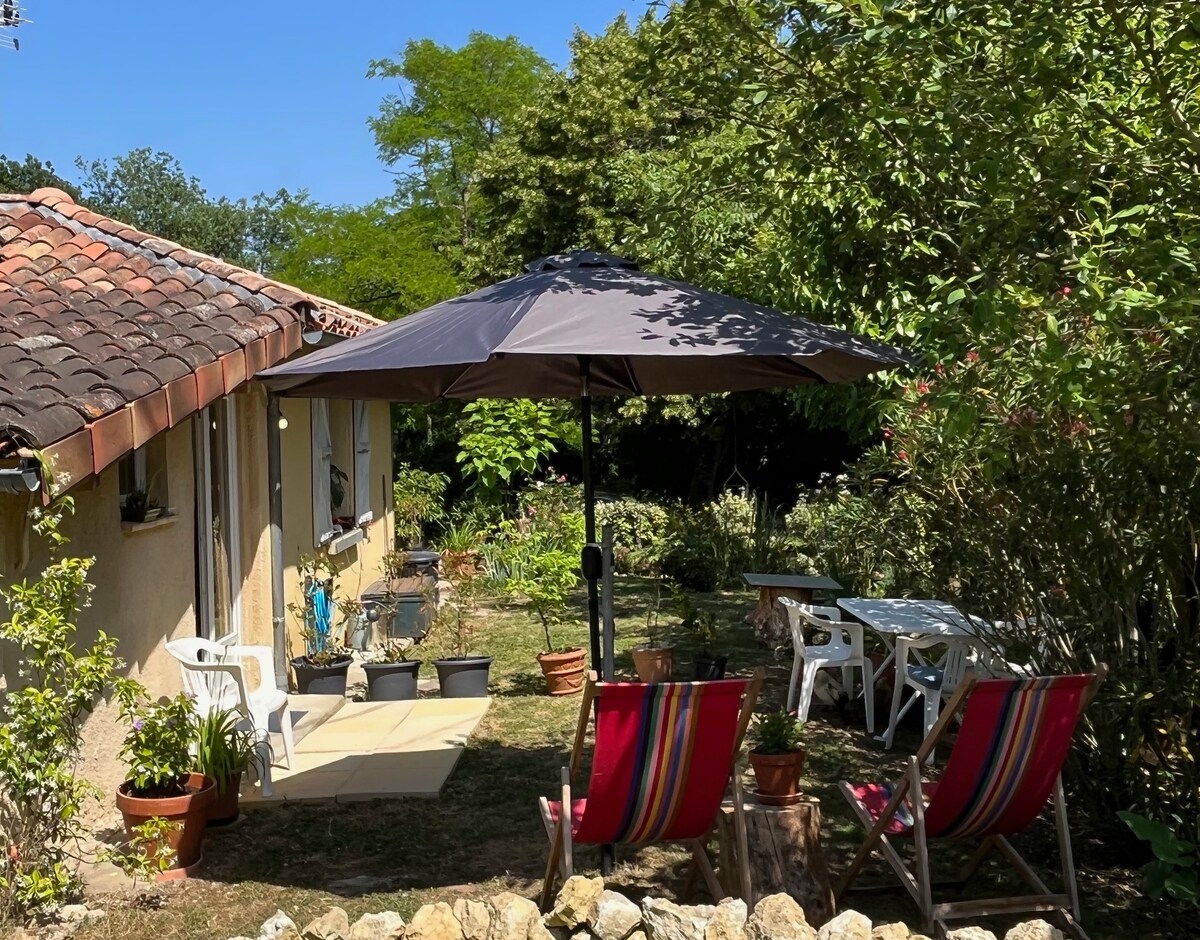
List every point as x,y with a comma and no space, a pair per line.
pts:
249,96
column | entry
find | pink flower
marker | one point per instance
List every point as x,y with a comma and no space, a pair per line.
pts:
1065,290
888,434
922,388
939,369
972,356
903,455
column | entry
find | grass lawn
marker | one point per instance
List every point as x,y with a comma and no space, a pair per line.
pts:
484,835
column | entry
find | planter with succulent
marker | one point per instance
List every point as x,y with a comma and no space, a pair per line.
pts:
226,749
655,660
461,673
701,625
391,675
163,783
777,756
323,667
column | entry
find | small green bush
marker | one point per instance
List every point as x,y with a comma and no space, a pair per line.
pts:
419,500
778,732
641,533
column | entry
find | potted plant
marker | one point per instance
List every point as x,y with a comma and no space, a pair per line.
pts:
162,782
418,500
224,751
655,660
459,546
777,757
547,579
323,667
461,673
391,675
702,626
140,506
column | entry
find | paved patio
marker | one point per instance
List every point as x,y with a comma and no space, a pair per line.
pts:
368,750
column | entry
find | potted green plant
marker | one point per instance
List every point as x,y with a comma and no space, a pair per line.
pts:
701,625
391,675
654,661
140,506
418,500
323,667
777,757
461,673
322,670
459,547
547,579
224,750
162,781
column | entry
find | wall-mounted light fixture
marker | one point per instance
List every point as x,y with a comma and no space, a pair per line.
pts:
313,330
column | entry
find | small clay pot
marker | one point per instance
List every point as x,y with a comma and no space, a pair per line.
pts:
189,810
563,671
223,811
778,775
653,663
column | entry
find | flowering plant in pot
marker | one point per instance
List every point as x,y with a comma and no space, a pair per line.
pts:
162,781
654,660
777,756
226,749
391,675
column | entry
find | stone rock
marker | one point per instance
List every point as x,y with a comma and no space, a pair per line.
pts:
778,917
581,934
513,918
891,932
1034,930
970,933
434,922
848,925
386,925
576,898
664,920
475,917
612,916
279,927
728,921
638,935
332,925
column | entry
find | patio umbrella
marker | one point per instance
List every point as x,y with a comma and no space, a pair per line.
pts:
583,324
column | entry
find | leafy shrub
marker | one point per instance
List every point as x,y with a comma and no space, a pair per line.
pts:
641,533
777,732
157,748
223,747
1174,870
504,440
40,725
419,500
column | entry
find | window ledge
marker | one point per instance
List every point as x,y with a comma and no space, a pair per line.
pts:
339,543
129,528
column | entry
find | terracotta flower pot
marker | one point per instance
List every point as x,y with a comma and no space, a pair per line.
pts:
778,775
189,811
563,671
223,810
653,663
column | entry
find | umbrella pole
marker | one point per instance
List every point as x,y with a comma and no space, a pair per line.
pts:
589,515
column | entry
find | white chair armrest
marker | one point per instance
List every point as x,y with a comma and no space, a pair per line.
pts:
265,657
825,613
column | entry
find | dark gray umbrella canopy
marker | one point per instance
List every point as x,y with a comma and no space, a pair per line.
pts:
640,334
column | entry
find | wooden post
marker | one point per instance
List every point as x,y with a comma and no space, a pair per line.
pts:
785,855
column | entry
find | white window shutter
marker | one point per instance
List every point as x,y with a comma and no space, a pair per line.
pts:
322,460
362,463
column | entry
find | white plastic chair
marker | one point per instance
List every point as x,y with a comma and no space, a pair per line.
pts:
213,675
844,649
931,683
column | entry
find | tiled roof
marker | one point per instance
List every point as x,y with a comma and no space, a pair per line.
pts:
109,335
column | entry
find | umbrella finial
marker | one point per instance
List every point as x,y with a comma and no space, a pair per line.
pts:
580,259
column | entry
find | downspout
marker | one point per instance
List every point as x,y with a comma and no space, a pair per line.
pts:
275,486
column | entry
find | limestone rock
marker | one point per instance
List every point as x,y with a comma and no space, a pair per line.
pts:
332,925
891,932
581,934
778,917
638,935
475,917
970,933
386,925
1034,930
513,917
576,898
612,916
848,925
279,927
728,921
434,922
664,920
539,931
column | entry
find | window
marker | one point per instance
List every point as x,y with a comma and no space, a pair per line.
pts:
341,454
142,478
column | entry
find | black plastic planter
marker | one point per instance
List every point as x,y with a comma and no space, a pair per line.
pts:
320,680
392,682
709,667
465,677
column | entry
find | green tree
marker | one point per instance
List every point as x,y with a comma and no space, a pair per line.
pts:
25,176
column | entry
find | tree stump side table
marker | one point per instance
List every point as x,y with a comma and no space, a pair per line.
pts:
785,855
769,628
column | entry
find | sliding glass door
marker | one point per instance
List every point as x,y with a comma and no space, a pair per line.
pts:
219,564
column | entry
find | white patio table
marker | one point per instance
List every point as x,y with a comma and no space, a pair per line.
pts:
894,617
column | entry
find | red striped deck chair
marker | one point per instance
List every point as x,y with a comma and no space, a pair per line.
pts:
664,757
1003,769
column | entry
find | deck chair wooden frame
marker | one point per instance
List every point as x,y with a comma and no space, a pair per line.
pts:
910,791
559,830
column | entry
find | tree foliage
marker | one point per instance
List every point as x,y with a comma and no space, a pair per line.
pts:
30,174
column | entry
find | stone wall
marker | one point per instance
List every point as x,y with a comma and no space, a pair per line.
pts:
586,910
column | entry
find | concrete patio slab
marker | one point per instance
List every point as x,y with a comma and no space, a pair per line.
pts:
372,750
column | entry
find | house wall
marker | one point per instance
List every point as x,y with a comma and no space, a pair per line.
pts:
144,587
360,564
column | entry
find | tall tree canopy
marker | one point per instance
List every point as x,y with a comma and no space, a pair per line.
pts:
30,174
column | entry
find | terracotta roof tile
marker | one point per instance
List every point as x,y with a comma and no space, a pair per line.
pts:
107,334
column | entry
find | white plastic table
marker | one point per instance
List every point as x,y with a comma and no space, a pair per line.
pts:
893,617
